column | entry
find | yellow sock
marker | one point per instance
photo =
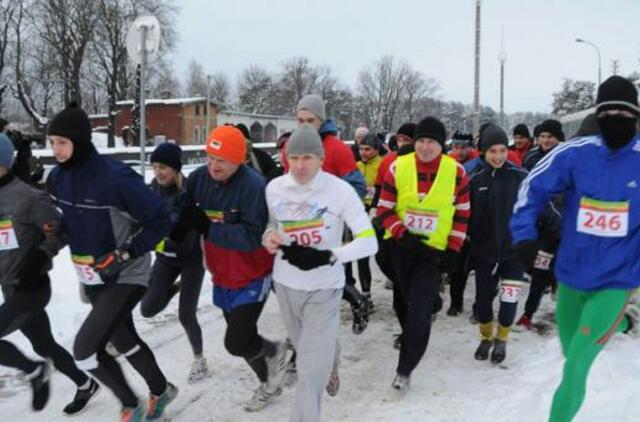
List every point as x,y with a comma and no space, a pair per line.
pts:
486,330
503,332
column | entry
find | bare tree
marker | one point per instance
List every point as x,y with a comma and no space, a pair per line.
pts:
255,88
196,81
220,86
166,83
381,87
7,10
415,87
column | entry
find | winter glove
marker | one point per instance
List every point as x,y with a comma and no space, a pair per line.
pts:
527,252
178,232
195,218
449,261
36,263
411,241
306,258
110,264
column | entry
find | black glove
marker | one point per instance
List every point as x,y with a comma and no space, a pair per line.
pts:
304,257
110,264
527,252
179,232
449,261
36,263
195,218
411,241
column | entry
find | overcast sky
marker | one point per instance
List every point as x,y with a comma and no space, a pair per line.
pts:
434,36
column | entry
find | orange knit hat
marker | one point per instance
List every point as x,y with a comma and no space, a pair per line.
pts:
228,143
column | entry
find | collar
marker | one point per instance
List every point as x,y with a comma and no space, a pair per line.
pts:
314,184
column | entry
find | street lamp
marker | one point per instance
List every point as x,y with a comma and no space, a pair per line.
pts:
580,40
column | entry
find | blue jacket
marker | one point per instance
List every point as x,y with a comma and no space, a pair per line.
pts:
586,167
106,206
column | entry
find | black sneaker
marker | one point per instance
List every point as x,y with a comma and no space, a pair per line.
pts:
499,352
482,352
81,399
454,310
360,318
39,380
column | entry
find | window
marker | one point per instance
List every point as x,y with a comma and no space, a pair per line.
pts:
196,135
197,109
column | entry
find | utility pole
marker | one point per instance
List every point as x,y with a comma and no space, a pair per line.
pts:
476,88
615,65
503,59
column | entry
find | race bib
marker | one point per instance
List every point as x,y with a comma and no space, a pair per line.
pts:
543,261
305,232
421,221
86,274
509,291
8,239
604,219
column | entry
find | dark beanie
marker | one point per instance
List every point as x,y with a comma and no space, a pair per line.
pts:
618,93
464,139
372,140
169,154
492,135
73,123
244,129
407,129
521,130
430,127
553,127
589,126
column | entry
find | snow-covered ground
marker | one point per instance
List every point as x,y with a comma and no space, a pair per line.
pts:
449,385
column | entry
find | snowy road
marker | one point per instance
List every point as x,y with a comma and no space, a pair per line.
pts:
449,385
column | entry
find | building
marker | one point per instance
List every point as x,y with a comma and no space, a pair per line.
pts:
183,120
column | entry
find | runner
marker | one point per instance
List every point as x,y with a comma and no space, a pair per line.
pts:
596,264
25,259
225,203
308,209
112,221
424,206
175,260
494,188
522,141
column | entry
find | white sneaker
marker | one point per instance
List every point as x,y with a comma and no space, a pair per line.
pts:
400,384
199,370
262,397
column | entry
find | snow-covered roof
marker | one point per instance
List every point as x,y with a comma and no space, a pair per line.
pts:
168,101
256,115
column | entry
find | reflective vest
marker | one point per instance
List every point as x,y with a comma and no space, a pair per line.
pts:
431,218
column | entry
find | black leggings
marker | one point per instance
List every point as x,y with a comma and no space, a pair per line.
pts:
157,297
540,280
110,320
364,274
24,311
242,339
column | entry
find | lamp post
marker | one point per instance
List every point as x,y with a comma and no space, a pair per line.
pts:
580,40
206,135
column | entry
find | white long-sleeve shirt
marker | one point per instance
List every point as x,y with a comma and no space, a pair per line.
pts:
314,214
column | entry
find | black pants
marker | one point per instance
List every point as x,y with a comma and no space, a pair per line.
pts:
24,311
242,339
157,297
110,320
458,278
384,257
364,274
418,289
487,284
540,280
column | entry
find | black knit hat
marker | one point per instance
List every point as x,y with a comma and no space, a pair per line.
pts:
464,139
492,135
430,127
73,123
522,130
553,127
617,93
407,129
169,154
372,140
244,129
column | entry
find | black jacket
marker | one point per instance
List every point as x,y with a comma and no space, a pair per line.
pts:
183,254
493,195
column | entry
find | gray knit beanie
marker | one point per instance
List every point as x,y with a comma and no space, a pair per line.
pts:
305,140
314,104
6,151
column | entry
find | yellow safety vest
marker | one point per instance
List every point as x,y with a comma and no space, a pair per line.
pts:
439,201
370,172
